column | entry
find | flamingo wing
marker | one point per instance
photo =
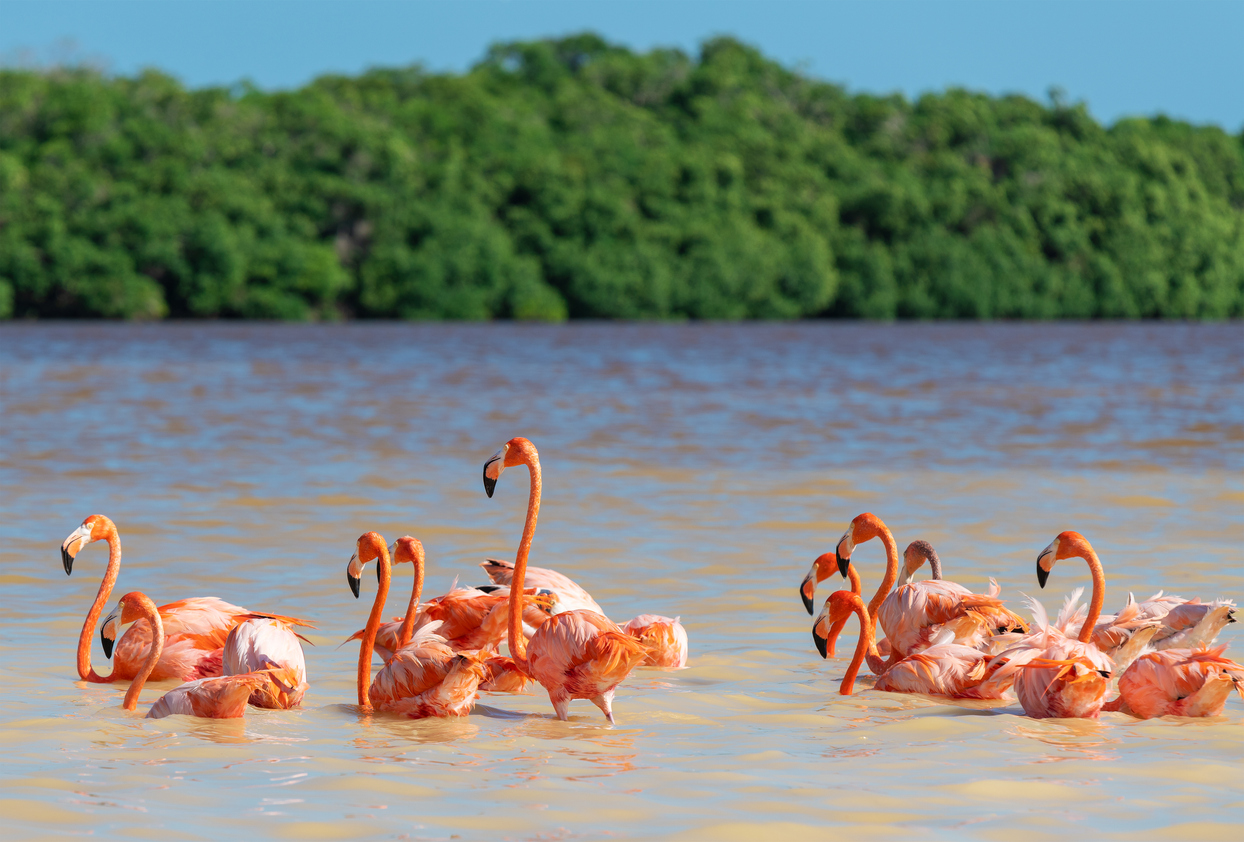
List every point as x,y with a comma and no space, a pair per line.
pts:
570,595
427,678
944,669
268,644
194,633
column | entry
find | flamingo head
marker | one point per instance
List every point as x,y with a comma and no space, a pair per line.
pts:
369,547
543,599
513,452
406,550
914,557
828,624
94,528
821,570
1067,545
127,610
863,528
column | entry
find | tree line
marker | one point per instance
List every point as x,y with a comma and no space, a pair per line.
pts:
571,178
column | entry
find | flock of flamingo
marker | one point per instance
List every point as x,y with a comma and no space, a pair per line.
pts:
940,639
943,640
437,658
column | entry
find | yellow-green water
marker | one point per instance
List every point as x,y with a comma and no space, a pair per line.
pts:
690,470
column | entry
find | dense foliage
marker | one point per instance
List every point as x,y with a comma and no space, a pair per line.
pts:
574,178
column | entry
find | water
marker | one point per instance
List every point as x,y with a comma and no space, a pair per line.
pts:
691,470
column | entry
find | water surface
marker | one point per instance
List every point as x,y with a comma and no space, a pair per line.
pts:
690,470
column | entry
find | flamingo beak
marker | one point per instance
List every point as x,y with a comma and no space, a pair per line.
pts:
492,474
819,634
108,631
353,571
822,643
73,545
844,561
807,590
1043,573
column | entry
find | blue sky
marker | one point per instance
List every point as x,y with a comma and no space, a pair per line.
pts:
1122,57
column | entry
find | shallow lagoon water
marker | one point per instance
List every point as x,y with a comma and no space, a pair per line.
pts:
691,470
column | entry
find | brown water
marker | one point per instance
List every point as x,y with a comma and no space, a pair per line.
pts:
692,470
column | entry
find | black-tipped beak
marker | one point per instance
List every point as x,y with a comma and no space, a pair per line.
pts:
807,600
1231,616
106,642
490,484
354,584
843,563
1042,573
822,644
67,559
1104,673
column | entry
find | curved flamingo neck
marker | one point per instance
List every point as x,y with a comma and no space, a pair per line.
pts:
518,644
891,575
408,622
85,671
1099,595
865,647
152,615
373,625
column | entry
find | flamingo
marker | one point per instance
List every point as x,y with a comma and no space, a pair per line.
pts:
195,629
917,612
664,639
267,643
1179,682
944,668
1057,675
577,654
222,697
425,676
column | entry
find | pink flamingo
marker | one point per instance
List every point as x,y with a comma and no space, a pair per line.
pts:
195,629
1057,675
267,643
944,668
576,654
215,698
918,612
425,676
664,637
1179,682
